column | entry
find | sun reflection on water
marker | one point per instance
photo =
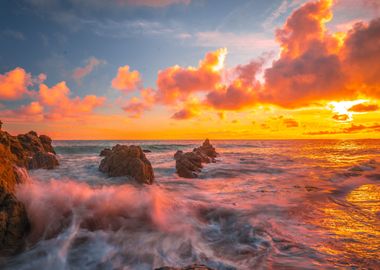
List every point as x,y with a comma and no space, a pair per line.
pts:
354,224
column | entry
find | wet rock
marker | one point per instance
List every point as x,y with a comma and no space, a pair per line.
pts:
147,151
189,165
130,161
105,152
42,160
30,150
14,223
190,267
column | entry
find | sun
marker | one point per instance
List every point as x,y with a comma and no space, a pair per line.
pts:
342,108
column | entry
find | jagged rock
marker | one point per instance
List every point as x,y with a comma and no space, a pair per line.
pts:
13,218
42,160
128,161
30,151
189,165
105,152
46,143
190,267
14,224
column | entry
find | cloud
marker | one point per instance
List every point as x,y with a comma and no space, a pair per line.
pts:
81,72
135,107
126,80
341,117
184,114
14,84
364,108
13,34
232,41
177,83
351,129
290,123
361,56
59,105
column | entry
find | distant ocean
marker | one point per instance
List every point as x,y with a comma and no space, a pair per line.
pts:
287,204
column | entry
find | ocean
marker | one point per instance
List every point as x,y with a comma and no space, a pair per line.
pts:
265,204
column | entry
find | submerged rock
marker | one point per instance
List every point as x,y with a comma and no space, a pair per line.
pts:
130,161
189,165
190,267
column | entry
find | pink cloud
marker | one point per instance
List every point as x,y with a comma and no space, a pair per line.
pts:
126,80
14,84
81,72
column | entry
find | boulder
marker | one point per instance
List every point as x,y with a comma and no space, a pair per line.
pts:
43,160
130,161
190,267
189,165
105,152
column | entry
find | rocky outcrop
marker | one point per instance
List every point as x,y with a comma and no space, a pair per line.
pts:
189,165
13,218
18,153
190,267
129,161
30,150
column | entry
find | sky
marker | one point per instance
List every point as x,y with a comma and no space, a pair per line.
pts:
190,69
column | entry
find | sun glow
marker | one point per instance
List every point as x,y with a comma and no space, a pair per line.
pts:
342,108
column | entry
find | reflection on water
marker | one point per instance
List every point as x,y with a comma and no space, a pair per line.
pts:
354,225
264,205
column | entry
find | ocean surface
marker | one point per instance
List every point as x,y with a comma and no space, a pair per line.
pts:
289,204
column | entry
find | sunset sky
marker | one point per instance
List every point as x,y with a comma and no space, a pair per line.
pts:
190,69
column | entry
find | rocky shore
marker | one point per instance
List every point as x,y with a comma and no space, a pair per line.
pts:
18,153
189,165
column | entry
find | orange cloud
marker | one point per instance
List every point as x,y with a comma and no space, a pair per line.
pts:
126,80
184,114
341,117
60,105
135,107
290,123
364,108
352,129
177,83
81,72
14,84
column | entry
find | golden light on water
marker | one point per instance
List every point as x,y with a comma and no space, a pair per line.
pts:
354,224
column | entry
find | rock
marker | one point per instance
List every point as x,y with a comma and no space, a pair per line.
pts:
14,223
128,161
42,160
189,165
46,143
105,152
29,150
1,124
190,267
147,151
